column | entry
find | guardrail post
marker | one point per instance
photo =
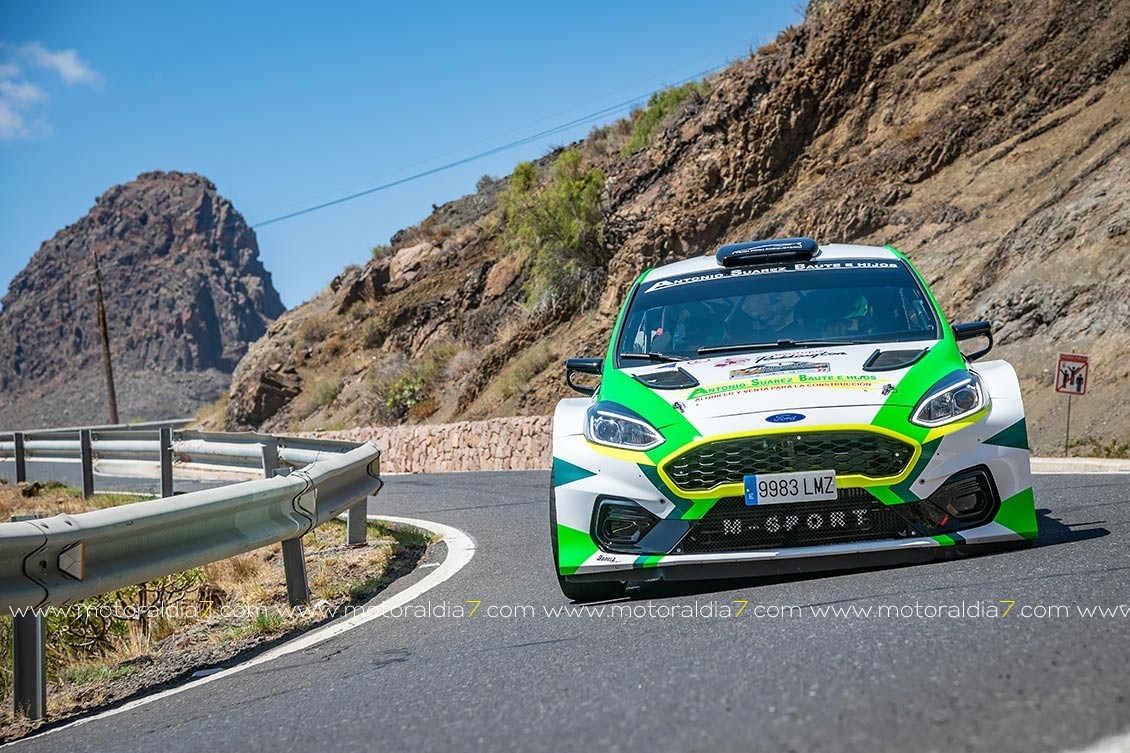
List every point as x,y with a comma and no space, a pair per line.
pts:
357,526
21,457
294,554
87,454
166,461
294,565
270,459
29,660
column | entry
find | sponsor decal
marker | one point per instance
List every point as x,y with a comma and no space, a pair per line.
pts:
785,418
800,354
730,362
780,368
799,267
864,382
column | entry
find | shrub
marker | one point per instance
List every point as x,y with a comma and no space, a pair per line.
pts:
357,311
604,141
558,226
404,393
97,625
314,330
325,391
381,251
372,333
1100,448
422,409
432,364
659,107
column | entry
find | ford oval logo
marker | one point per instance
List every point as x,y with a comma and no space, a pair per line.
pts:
785,418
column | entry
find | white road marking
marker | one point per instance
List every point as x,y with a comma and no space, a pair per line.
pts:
1113,744
460,550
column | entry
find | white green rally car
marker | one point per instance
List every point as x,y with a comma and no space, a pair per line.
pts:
781,407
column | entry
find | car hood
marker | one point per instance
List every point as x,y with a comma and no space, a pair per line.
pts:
790,380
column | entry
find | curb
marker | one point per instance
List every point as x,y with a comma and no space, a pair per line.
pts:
1080,465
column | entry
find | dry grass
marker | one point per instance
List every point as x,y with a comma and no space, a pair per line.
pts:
525,367
46,498
210,417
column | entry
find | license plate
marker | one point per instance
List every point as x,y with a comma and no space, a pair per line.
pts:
782,488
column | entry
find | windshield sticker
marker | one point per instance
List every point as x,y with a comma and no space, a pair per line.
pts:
800,354
865,382
757,271
781,368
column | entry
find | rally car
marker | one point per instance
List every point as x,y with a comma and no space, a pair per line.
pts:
783,406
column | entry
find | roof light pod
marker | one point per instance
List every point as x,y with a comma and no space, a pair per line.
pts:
765,252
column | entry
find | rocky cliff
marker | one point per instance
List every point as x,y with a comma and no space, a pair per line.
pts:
185,293
987,140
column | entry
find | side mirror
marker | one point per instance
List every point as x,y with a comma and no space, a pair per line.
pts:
971,330
593,366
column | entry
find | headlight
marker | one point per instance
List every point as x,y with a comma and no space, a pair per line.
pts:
957,396
616,426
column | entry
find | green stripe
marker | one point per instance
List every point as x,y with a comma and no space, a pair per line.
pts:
573,548
1018,513
565,472
1014,436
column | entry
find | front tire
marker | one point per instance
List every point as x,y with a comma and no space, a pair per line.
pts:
574,591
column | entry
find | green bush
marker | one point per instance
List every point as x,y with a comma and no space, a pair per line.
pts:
659,107
558,226
404,393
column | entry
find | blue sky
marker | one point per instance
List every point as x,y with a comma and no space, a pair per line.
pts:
285,105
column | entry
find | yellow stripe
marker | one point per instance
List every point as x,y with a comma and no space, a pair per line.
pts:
941,431
630,456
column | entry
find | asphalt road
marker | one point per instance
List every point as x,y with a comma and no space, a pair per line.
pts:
70,473
800,681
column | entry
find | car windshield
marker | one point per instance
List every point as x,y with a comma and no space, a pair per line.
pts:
748,308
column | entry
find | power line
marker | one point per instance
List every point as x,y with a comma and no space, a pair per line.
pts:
354,184
495,150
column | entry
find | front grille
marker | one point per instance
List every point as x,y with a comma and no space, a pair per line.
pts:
728,461
733,526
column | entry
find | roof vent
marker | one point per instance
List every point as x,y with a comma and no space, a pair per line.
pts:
767,252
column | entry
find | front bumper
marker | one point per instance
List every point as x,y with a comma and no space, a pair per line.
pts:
586,474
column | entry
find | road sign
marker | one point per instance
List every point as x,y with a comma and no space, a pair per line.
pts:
1071,374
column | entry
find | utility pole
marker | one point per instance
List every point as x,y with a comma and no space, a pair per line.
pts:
111,394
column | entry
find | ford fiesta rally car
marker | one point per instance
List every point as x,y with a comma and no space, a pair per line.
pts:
783,407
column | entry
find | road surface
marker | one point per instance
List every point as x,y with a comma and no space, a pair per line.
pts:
518,675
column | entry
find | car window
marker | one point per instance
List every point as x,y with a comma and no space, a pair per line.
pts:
877,301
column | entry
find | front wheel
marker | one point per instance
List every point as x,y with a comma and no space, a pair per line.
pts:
591,591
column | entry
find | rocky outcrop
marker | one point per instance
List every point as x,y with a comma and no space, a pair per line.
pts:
185,293
987,140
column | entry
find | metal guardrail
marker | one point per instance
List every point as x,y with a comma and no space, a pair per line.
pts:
62,559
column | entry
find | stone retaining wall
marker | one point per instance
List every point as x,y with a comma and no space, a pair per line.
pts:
518,443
